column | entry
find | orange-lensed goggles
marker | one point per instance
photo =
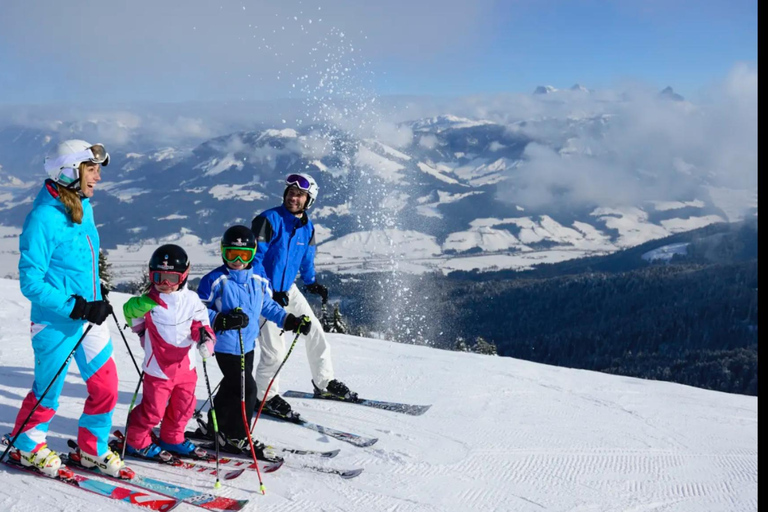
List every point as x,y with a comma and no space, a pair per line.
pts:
244,254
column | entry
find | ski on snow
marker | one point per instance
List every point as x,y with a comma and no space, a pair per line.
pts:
327,454
201,499
200,464
324,454
238,460
141,498
354,439
343,473
413,410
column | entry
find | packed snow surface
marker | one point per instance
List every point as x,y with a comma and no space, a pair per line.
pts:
502,435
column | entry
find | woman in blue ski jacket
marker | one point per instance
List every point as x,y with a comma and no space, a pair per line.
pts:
58,273
236,294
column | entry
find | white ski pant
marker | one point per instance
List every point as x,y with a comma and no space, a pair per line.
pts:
274,347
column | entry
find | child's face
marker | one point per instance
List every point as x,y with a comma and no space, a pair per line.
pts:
166,288
236,265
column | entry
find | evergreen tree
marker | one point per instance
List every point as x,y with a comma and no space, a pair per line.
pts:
483,347
105,270
338,324
461,345
140,285
325,320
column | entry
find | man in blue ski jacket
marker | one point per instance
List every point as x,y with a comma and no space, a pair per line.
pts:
286,247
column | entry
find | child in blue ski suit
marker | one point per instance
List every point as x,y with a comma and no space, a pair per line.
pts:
236,294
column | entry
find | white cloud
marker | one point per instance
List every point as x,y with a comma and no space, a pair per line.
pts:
428,141
638,147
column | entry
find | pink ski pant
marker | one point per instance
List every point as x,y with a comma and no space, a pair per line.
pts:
171,401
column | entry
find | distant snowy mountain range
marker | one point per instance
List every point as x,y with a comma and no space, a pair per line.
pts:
439,202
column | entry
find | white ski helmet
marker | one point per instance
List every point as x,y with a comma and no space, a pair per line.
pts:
63,165
304,182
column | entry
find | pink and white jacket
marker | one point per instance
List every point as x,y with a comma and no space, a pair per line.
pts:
169,325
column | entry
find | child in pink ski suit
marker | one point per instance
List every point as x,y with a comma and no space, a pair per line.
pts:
173,326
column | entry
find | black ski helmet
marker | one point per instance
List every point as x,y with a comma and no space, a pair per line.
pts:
238,236
169,257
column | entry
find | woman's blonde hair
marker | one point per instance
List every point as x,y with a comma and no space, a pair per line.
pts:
71,199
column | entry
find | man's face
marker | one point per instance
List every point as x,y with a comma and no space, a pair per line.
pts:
295,199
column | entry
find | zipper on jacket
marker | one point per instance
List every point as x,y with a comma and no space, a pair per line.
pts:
93,265
288,256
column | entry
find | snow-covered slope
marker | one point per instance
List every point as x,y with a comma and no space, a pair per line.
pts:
502,435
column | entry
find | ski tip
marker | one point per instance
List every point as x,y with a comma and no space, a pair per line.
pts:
367,442
230,475
271,467
331,454
352,473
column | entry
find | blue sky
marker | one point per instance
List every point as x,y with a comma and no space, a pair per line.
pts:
85,51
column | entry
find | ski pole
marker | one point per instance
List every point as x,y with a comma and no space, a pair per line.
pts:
39,400
217,485
199,412
242,409
266,393
128,418
130,352
130,408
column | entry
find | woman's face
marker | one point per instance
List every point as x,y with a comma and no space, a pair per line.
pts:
90,175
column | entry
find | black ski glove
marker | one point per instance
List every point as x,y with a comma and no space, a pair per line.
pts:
318,289
232,320
95,311
297,324
281,298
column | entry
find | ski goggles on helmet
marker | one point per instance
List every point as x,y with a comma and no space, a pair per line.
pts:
298,180
99,154
167,277
95,154
244,254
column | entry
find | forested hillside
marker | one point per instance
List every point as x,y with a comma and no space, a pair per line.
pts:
692,319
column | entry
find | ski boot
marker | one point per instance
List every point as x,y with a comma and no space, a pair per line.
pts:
185,448
109,463
44,460
276,406
151,451
336,388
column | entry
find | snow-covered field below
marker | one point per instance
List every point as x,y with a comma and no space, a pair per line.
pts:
502,435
